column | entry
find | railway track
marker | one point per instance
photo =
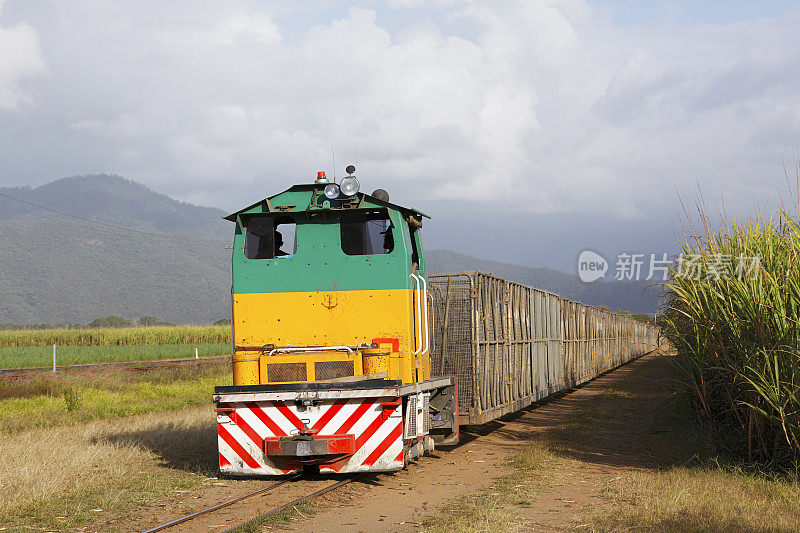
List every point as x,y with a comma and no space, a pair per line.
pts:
135,365
252,519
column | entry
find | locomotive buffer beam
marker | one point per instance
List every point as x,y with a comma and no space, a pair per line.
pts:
307,446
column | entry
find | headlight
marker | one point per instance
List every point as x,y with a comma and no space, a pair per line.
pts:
332,191
349,185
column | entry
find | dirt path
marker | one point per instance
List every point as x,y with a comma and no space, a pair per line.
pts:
399,502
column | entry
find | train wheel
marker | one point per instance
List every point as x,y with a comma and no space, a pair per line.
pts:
428,445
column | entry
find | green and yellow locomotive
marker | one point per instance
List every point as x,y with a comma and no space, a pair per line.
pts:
331,337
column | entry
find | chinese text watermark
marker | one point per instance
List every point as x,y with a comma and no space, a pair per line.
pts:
631,266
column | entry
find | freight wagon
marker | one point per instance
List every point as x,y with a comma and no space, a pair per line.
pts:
348,357
510,345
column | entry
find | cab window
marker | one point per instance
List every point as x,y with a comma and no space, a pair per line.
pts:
269,237
366,233
412,234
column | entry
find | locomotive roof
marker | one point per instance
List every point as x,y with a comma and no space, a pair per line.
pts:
298,198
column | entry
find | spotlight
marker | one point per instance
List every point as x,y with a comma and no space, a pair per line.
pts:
349,185
381,194
332,191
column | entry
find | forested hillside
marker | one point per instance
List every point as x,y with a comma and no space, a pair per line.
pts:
61,269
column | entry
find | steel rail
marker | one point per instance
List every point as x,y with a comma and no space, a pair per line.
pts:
150,363
291,504
213,508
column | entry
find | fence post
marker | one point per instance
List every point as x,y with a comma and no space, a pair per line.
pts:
195,353
54,357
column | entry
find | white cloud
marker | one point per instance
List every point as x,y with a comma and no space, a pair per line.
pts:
20,58
238,27
415,4
544,106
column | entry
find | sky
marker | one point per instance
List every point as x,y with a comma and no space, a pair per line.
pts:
528,130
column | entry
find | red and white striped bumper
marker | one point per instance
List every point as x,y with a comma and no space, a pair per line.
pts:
261,433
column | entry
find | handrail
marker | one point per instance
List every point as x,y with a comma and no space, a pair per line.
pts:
289,349
424,316
432,326
417,318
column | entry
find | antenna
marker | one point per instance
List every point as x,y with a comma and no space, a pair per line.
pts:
333,157
355,133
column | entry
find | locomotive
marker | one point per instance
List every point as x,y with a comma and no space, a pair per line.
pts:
347,357
330,337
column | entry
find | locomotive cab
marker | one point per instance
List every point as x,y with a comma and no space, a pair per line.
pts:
328,290
330,337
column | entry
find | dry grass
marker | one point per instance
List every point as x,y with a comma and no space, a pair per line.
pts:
85,447
668,473
495,508
279,519
698,499
65,476
685,478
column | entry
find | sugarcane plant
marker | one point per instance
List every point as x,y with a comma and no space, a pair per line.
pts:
731,313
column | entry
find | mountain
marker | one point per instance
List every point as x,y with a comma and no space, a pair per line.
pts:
172,262
60,269
633,296
115,200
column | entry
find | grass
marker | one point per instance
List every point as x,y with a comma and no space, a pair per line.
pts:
710,498
257,525
84,447
72,475
117,336
662,470
42,356
495,508
693,482
39,401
